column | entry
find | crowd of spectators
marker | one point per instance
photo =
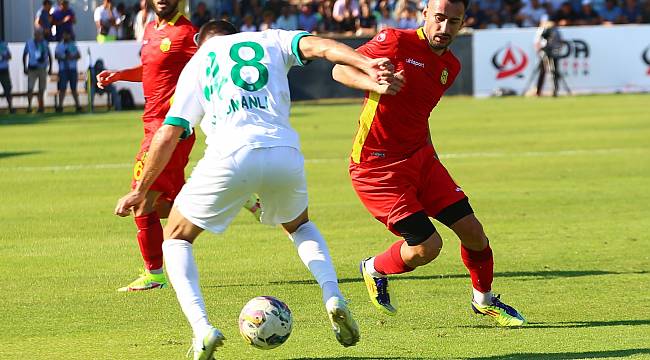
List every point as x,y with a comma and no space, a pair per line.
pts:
116,21
366,17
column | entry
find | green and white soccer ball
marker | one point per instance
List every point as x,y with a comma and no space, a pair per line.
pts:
265,322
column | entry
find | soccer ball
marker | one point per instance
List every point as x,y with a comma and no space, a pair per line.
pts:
265,322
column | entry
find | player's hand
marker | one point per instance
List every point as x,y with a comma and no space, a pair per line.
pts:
106,78
126,203
393,86
379,66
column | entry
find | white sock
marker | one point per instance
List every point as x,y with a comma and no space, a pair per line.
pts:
314,253
370,268
184,277
481,298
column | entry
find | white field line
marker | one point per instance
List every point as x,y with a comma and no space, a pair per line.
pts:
468,155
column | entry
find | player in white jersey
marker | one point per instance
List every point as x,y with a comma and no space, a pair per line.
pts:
238,85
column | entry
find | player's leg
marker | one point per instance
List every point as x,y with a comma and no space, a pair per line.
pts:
420,244
150,240
478,259
180,234
390,194
284,199
314,253
210,199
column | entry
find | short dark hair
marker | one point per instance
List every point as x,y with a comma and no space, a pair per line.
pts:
214,28
465,2
47,2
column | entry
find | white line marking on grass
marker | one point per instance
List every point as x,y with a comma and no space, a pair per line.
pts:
467,155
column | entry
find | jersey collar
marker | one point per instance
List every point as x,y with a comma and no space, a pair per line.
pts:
171,22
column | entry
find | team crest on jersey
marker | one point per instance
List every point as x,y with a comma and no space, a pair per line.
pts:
381,37
444,76
165,45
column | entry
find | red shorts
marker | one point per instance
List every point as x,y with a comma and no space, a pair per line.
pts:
172,178
392,191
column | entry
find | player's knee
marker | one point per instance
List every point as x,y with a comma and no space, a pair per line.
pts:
423,241
471,233
426,252
293,225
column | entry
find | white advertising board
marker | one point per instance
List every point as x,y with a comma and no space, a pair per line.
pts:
115,55
594,59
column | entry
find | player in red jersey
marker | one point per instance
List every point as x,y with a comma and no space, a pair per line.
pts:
396,172
167,46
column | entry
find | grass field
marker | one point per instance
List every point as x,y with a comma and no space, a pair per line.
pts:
561,185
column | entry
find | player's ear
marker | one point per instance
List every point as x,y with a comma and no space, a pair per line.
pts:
196,39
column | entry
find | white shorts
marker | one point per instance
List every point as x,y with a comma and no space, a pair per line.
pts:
218,188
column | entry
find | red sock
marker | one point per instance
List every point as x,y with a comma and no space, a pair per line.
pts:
481,267
390,262
150,239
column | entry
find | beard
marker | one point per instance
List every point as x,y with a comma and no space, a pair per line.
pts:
167,12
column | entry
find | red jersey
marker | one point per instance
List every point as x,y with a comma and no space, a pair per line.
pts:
164,55
393,127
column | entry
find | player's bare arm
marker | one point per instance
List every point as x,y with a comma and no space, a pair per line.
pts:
108,77
160,151
314,47
354,78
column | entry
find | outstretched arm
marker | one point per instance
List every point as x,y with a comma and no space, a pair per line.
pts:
108,77
354,78
314,47
162,147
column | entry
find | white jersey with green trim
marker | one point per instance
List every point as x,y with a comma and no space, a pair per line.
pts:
238,85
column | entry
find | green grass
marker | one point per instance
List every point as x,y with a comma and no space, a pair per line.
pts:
561,185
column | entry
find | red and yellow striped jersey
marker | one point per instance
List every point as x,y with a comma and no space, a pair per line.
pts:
392,127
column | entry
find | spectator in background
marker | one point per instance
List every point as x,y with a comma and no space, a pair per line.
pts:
43,20
248,25
37,63
587,15
123,32
63,19
475,17
645,13
345,13
631,13
201,15
507,16
225,7
287,20
408,19
490,7
611,14
275,6
106,21
327,22
565,16
142,18
267,21
67,54
532,14
366,23
307,20
5,79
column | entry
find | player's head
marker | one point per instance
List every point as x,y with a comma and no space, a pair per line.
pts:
442,21
164,9
47,4
215,28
